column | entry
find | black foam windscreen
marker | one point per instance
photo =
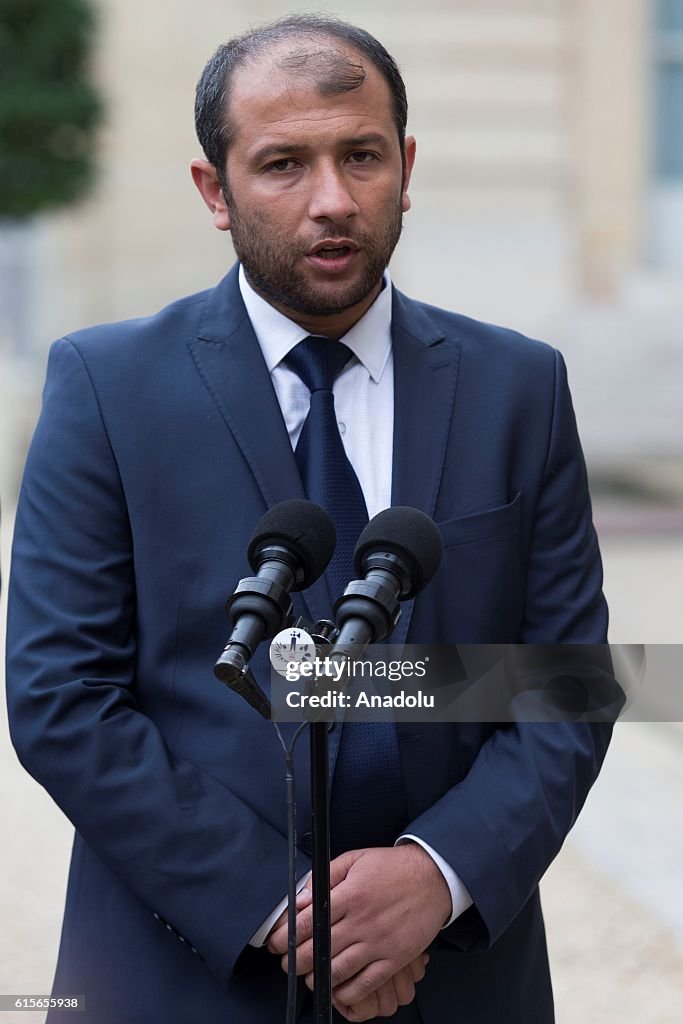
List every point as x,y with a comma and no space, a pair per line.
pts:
408,533
302,527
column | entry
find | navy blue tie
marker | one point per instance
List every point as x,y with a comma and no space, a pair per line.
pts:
328,476
367,803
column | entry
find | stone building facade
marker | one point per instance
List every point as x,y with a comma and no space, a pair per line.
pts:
538,199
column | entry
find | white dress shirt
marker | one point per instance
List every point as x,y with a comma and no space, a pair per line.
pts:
364,405
363,391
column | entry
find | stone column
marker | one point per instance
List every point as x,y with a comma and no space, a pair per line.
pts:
610,136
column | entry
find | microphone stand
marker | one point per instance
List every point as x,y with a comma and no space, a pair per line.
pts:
322,929
239,677
322,635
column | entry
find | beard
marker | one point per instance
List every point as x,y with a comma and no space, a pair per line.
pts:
270,263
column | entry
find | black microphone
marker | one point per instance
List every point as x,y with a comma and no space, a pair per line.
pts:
397,554
288,551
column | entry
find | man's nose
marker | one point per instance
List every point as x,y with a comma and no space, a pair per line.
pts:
331,198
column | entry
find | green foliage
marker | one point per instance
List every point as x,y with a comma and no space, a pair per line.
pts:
48,109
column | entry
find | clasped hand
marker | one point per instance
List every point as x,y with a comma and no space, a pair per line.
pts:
386,906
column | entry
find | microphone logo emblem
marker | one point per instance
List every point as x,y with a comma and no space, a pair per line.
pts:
291,645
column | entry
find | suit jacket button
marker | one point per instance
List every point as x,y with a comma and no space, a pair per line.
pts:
307,843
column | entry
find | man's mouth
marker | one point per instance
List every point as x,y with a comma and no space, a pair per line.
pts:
334,255
330,253
331,247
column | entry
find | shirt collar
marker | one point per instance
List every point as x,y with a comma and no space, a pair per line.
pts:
369,339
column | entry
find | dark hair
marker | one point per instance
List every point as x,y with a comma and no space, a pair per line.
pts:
331,69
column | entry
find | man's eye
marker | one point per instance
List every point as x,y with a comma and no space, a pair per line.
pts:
362,157
282,165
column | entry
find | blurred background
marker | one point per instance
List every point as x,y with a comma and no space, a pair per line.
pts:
547,196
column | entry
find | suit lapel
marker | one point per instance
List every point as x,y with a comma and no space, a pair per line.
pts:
231,365
425,377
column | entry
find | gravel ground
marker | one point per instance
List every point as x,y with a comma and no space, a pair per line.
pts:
612,961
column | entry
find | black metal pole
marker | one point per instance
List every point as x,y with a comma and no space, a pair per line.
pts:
320,805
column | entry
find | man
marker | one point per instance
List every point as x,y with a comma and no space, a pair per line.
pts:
160,445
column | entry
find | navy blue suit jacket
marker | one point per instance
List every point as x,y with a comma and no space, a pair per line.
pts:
160,445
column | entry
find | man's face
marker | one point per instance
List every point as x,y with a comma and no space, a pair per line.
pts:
316,190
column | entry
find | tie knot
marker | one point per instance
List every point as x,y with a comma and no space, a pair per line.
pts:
318,361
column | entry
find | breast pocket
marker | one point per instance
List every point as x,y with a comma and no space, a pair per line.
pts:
494,522
481,576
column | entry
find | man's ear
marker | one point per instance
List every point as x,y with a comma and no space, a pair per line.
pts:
205,178
409,153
